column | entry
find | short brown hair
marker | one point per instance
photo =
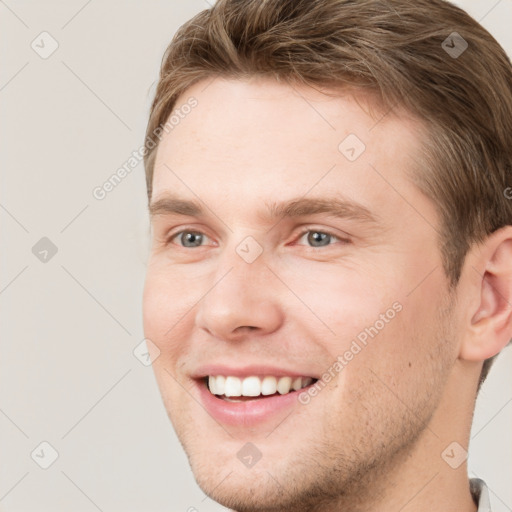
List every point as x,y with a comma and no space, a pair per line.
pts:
397,50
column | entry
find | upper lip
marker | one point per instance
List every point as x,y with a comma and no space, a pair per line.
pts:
247,371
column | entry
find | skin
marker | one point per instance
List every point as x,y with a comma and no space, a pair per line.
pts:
372,439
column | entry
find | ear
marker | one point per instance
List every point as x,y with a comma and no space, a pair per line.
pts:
490,326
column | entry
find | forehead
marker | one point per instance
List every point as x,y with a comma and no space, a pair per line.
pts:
256,140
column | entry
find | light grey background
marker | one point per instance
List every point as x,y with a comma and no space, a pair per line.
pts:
68,375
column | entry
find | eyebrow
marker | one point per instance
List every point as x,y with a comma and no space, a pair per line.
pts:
296,207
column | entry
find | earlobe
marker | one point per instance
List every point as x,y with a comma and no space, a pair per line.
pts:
491,324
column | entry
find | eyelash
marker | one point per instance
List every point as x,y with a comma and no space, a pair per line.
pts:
299,236
328,233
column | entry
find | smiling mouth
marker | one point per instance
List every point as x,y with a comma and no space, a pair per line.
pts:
235,389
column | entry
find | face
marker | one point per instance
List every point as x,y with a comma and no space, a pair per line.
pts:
289,246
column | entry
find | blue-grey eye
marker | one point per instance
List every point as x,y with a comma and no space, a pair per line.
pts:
190,239
318,239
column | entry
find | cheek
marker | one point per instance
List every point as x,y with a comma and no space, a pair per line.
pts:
372,318
415,346
166,310
336,302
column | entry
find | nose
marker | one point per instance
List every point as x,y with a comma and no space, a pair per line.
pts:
241,299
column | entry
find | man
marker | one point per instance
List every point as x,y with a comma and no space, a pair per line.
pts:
331,266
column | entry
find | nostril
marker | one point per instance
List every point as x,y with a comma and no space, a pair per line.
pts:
246,327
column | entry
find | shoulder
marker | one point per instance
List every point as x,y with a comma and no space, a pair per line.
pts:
480,494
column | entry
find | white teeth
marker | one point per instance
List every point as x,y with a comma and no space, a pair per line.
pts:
283,385
254,386
251,386
268,386
212,384
305,382
297,383
220,385
233,386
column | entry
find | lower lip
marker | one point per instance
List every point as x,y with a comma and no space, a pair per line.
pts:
249,412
